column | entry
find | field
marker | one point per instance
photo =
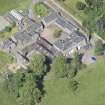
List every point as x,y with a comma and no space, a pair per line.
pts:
40,9
91,89
5,59
6,5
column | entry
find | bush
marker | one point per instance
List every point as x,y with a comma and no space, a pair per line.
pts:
57,33
73,85
80,5
99,48
8,29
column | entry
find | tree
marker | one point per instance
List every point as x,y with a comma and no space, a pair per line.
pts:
37,64
29,93
99,48
71,73
73,85
80,5
8,29
95,3
76,62
89,2
60,67
14,82
87,25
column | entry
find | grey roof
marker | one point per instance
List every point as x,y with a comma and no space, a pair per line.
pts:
35,27
7,44
27,35
35,47
42,46
22,36
70,41
65,23
53,16
10,18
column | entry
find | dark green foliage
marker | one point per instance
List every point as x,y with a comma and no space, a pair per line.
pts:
23,85
80,5
59,66
73,85
99,48
37,64
95,3
76,62
29,93
89,2
8,29
14,82
62,68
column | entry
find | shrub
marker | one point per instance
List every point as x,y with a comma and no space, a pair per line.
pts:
57,33
80,5
8,29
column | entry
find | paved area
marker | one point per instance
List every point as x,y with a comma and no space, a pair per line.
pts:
89,56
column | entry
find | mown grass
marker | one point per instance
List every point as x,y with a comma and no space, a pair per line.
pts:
40,9
91,89
6,98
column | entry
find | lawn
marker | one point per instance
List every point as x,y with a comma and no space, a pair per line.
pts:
6,98
6,5
5,59
91,89
40,9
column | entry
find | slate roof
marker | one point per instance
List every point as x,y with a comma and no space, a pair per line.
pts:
52,17
65,23
59,20
25,37
70,41
7,44
35,27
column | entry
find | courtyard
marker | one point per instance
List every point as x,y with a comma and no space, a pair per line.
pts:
49,32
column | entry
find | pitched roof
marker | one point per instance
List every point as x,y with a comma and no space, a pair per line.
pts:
70,41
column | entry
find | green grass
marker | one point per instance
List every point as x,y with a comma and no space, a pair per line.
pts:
6,5
5,59
91,90
6,98
40,9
